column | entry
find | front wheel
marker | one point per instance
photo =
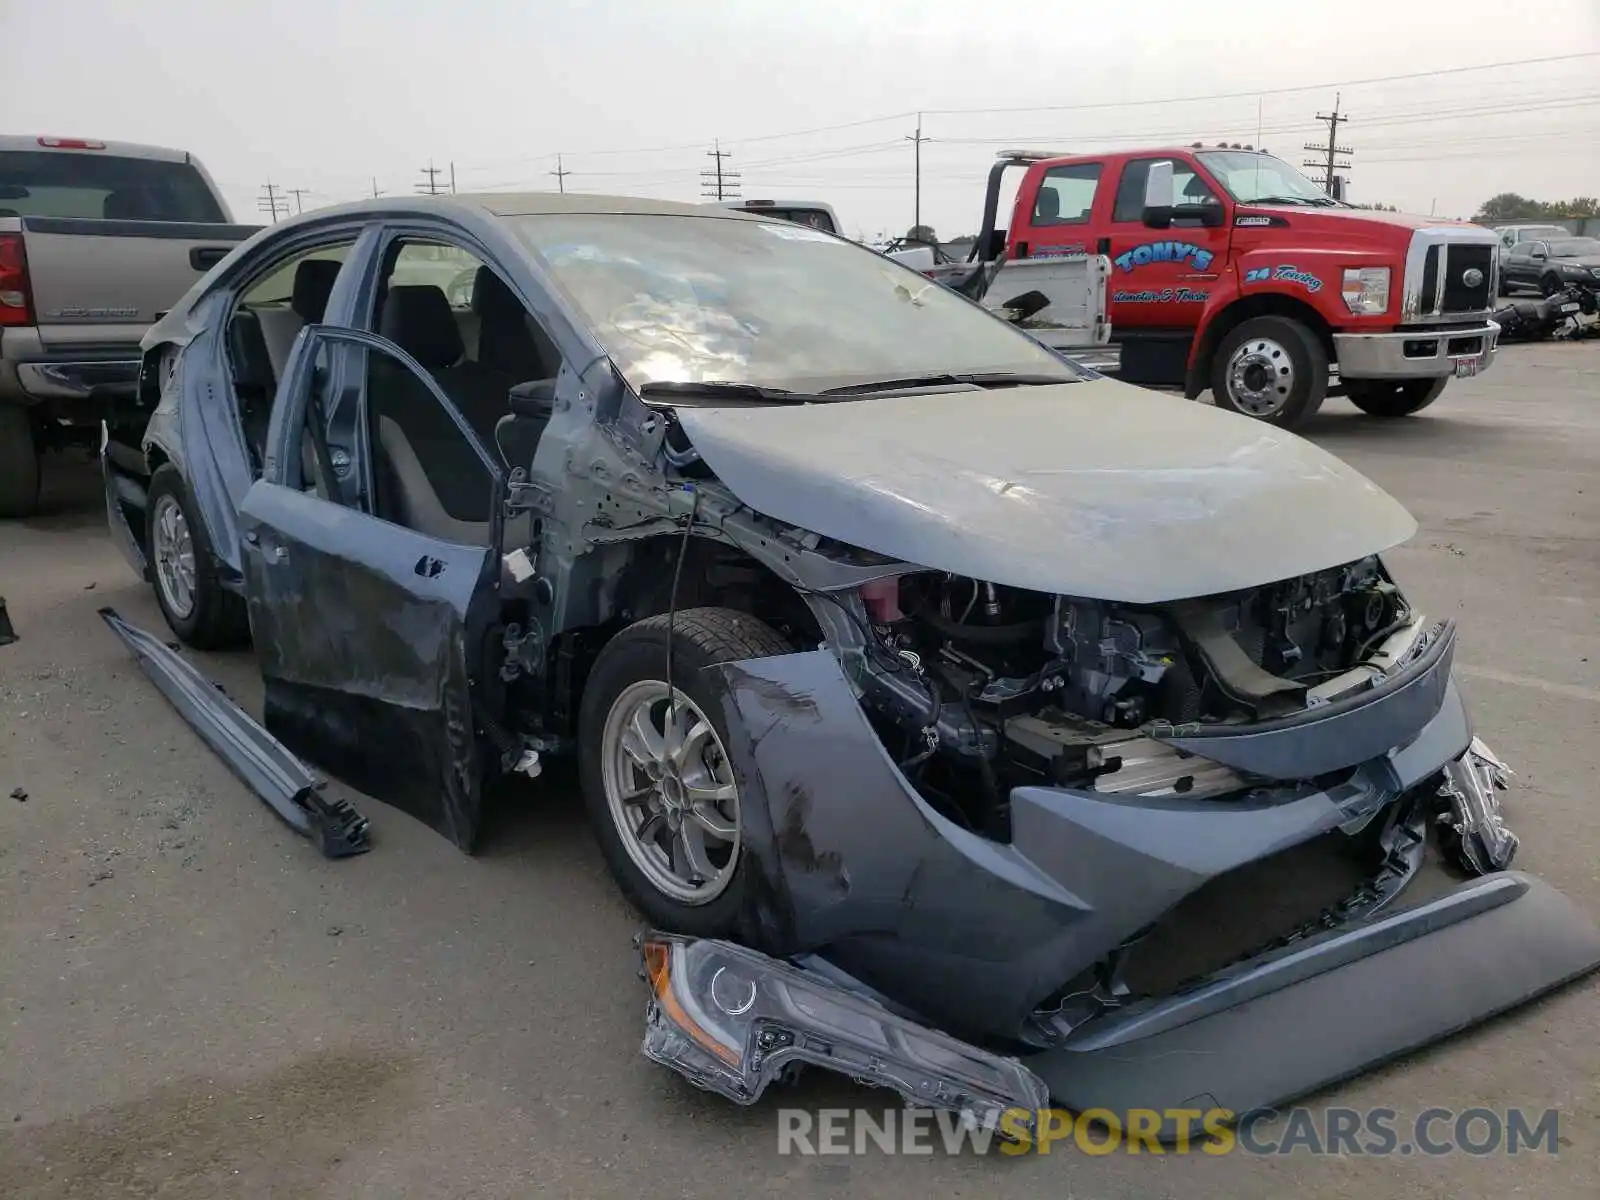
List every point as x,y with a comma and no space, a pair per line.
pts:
19,462
660,789
1393,397
1271,368
1549,285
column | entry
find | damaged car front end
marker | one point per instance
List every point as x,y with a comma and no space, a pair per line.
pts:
991,806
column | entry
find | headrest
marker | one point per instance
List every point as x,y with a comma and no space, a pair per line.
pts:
493,300
313,284
417,318
1048,206
127,204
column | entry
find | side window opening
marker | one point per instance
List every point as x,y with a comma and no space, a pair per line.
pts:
1066,195
1187,188
474,338
264,324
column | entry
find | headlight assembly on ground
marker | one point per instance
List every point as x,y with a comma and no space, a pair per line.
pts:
732,1020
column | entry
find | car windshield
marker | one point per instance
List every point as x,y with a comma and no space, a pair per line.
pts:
1250,177
1574,247
693,299
41,183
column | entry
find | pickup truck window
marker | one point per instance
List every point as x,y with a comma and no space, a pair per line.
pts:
1066,194
1187,187
104,186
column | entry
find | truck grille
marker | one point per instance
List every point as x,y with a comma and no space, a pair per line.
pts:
1457,296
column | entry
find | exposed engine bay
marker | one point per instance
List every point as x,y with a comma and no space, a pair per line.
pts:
977,688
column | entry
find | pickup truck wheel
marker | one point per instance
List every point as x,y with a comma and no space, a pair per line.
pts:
1393,397
661,792
199,609
1271,368
19,462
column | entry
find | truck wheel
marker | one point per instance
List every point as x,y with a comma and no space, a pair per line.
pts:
199,609
1393,397
19,462
1271,368
661,792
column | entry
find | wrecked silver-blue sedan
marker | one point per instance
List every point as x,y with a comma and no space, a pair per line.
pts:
929,693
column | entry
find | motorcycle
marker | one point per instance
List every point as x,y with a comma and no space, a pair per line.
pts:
1568,313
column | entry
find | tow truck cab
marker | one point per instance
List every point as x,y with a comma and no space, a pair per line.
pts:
1231,270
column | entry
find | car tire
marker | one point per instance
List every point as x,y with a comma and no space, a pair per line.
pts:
1393,397
183,569
19,462
1273,369
629,679
1549,284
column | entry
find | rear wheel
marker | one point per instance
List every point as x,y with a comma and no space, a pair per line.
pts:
19,462
1549,284
661,793
1271,368
1393,397
199,609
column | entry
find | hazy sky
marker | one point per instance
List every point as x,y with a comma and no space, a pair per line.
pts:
326,96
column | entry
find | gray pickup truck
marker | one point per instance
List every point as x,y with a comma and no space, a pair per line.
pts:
97,240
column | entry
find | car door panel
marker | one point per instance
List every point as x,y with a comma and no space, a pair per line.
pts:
369,634
1162,278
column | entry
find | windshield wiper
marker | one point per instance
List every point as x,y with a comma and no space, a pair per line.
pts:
985,379
716,389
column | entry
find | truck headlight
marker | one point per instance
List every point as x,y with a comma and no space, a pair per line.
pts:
1366,290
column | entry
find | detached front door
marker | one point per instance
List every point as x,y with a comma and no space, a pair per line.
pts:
369,630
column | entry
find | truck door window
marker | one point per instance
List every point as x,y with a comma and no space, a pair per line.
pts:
1187,188
1066,195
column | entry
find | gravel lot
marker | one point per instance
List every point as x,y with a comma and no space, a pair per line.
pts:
194,1004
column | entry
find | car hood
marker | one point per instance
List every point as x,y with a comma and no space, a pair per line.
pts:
1093,489
1579,260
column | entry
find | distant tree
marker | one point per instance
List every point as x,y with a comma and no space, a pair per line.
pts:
922,233
1509,206
1379,207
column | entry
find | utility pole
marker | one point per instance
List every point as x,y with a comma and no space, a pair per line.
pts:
721,183
375,192
561,174
271,202
452,177
296,193
429,186
916,141
1329,163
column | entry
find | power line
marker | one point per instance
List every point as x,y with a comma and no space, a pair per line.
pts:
718,182
1281,91
1329,163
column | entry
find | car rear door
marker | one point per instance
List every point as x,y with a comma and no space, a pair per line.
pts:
369,633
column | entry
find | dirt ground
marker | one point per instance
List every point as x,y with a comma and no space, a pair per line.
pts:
194,1004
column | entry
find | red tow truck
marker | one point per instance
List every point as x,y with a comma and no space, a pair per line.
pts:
1228,269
